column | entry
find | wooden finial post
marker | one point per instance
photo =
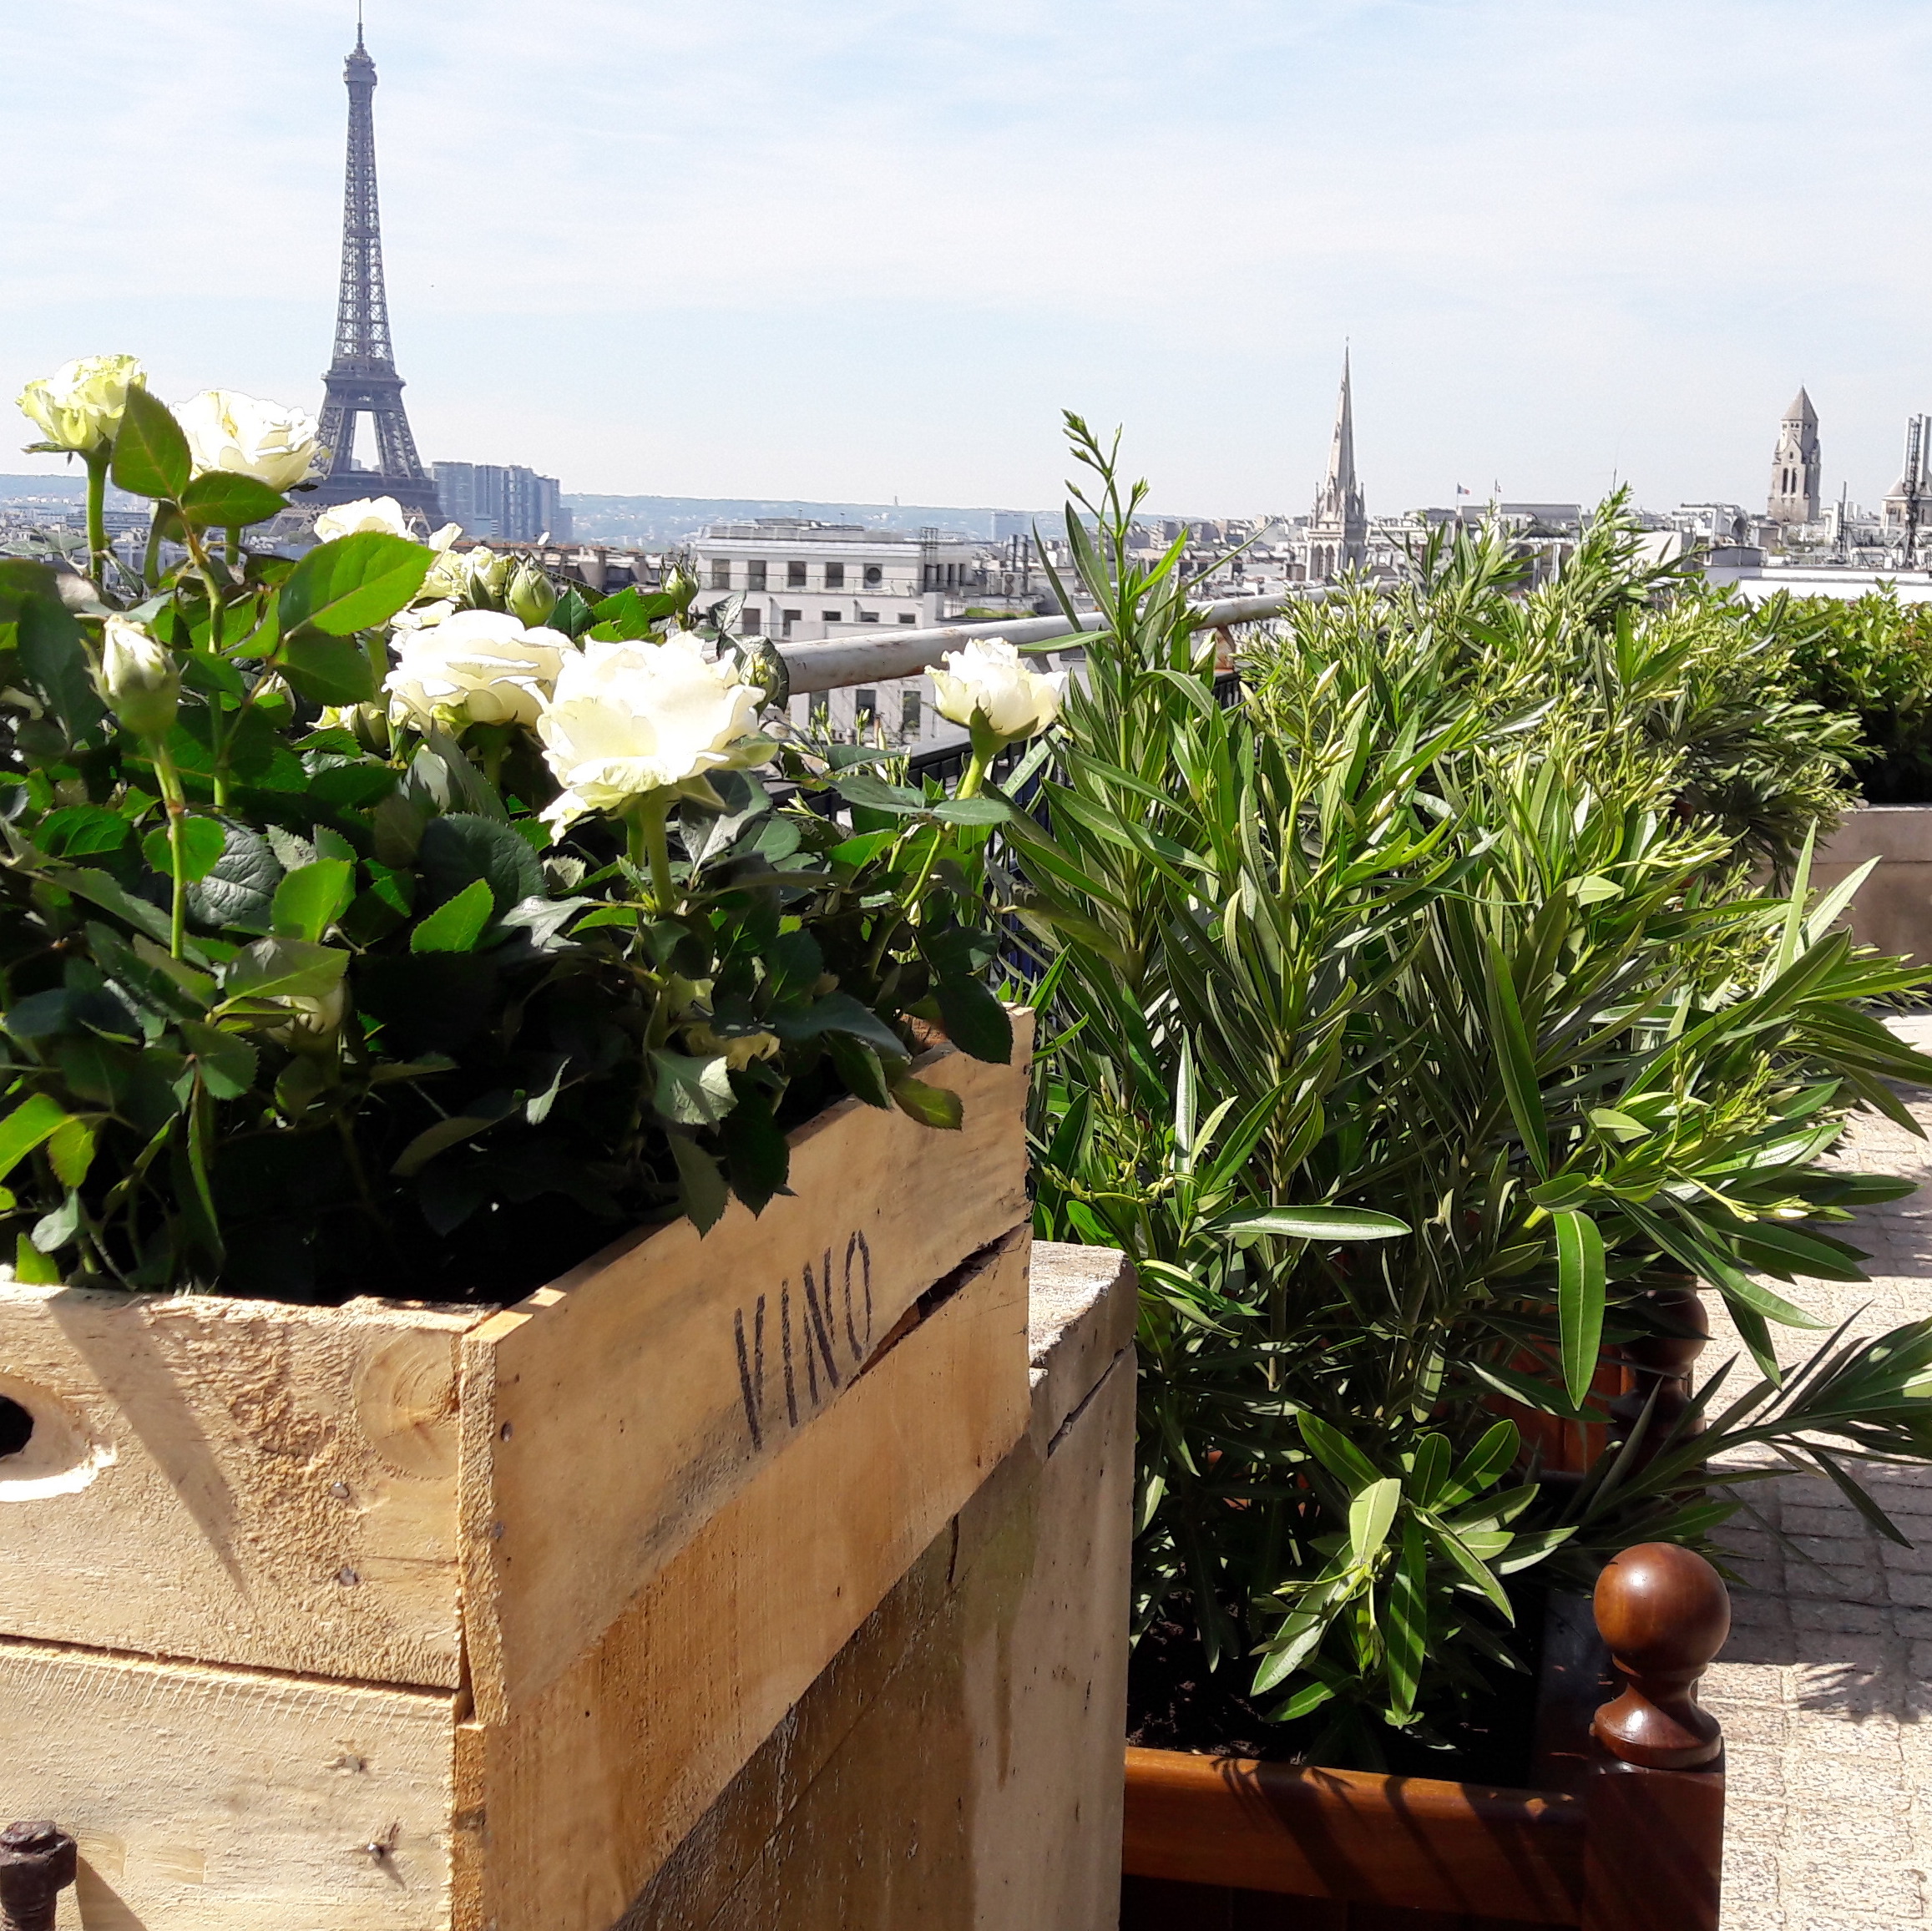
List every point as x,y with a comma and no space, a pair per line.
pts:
1661,1363
1654,1799
1664,1615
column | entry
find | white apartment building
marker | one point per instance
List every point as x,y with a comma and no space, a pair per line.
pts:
804,582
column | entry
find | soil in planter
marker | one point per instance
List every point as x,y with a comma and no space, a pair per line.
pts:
1176,1702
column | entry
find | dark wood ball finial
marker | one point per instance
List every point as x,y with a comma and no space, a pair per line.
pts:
1663,1614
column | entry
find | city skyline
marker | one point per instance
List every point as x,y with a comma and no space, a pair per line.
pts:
1562,254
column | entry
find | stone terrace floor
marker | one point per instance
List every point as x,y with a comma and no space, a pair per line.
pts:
1825,1688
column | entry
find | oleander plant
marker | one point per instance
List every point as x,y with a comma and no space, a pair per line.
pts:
388,920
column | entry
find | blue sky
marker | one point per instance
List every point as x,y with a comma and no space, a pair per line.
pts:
869,248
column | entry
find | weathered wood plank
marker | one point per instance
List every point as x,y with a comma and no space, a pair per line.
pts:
224,1800
591,1783
1413,1840
958,1766
605,1418
236,1481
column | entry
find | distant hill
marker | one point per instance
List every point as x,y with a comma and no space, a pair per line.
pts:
650,520
60,484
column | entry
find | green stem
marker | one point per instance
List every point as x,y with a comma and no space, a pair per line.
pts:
97,462
177,803
151,562
234,546
650,846
969,787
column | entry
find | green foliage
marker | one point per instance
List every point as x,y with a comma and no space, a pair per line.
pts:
1407,1024
312,1003
1872,657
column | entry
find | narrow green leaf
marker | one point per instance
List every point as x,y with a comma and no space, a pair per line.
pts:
1516,1058
1311,1224
1337,1454
1579,1295
1372,1515
1408,1619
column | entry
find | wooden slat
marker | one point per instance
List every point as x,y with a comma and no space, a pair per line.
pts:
236,1481
1655,1847
592,1783
607,1417
1417,1841
224,1800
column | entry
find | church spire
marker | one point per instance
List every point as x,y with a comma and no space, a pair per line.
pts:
1341,451
1338,529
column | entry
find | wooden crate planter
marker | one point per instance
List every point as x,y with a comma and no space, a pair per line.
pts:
405,1617
1624,1833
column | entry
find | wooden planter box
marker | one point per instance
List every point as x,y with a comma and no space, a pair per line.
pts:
1623,1830
396,1615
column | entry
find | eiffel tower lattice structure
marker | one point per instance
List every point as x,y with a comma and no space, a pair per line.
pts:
361,378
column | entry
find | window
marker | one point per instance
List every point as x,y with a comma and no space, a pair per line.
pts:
835,576
754,576
907,617
791,617
874,576
832,616
720,574
865,709
909,713
868,616
795,576
749,620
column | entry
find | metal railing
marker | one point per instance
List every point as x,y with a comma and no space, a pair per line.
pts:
834,666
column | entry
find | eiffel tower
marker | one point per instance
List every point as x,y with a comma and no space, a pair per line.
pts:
361,379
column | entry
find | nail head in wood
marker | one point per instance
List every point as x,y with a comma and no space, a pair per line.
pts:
1663,1614
38,1862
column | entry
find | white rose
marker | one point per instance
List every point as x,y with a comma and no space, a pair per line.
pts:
314,1018
422,616
474,667
228,430
629,718
381,513
140,678
989,679
477,575
79,406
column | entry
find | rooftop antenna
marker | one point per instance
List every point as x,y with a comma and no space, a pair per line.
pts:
358,22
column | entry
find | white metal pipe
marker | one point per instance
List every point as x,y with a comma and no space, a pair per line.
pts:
906,654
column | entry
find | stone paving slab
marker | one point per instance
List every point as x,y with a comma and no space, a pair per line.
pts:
1825,1688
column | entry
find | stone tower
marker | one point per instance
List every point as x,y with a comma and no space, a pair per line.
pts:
361,380
1339,529
1794,467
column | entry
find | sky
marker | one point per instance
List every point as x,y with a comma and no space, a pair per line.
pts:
871,249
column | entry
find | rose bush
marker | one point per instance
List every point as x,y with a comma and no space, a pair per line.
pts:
358,935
